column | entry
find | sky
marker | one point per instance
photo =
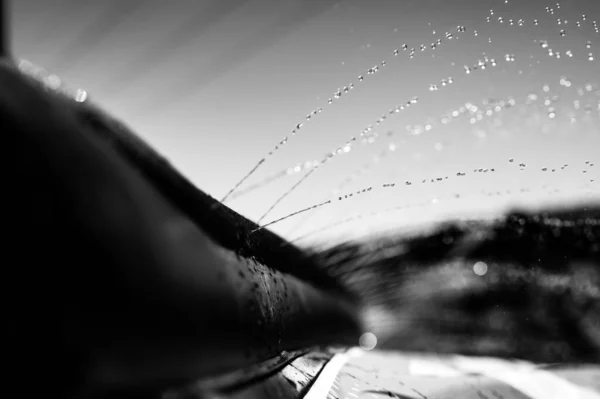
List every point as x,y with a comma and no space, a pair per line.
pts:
216,85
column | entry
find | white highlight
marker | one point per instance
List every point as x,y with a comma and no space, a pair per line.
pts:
325,380
523,376
431,368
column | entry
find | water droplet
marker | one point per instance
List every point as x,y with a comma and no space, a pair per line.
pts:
81,96
480,268
368,341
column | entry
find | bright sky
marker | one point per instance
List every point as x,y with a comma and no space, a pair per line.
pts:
215,85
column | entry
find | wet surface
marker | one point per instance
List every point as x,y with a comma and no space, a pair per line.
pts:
378,375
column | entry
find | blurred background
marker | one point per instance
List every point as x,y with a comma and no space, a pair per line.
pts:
421,109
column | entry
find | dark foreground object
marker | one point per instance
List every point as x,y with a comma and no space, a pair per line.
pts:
123,278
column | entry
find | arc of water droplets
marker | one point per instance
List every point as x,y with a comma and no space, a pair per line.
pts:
508,58
335,192
365,133
341,198
290,215
347,146
359,192
432,201
477,115
392,147
480,65
328,157
495,106
308,165
362,191
338,94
